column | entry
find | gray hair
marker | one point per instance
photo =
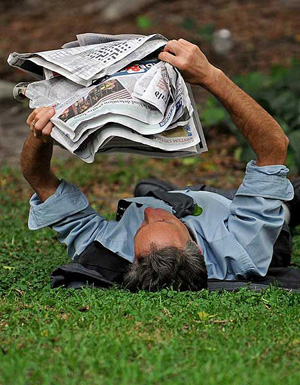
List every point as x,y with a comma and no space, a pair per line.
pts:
180,269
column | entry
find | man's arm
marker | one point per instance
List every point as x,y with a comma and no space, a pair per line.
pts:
263,133
37,152
67,210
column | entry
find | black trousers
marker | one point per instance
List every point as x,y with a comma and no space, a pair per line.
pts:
283,246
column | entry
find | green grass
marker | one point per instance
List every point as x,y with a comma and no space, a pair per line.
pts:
115,337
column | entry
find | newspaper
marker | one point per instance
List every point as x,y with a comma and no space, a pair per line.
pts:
120,99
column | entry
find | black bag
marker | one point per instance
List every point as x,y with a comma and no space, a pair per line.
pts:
96,265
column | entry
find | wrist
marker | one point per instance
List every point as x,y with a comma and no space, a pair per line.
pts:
43,187
213,79
39,141
35,159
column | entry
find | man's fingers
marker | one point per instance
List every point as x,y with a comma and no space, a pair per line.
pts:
185,42
32,115
46,133
174,46
36,114
176,53
47,129
36,133
168,57
42,118
39,123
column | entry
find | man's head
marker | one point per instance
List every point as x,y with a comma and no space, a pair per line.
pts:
165,255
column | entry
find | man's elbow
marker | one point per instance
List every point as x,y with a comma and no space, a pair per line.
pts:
283,145
286,142
274,152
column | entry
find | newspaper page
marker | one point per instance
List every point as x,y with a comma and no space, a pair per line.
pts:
172,140
84,64
50,92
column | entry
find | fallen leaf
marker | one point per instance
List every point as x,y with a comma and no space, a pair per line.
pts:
8,267
221,321
203,316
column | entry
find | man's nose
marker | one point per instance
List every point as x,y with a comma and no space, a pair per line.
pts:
151,214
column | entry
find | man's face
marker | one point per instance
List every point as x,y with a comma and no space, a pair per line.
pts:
162,228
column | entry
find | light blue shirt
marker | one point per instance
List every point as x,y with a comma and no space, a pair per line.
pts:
236,237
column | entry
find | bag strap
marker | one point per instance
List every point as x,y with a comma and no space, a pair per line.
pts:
182,204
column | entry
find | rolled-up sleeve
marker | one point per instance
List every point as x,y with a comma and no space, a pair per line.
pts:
256,212
68,213
267,181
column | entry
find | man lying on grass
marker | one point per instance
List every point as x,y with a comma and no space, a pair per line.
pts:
231,238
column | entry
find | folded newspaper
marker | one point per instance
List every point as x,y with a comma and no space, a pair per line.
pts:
112,94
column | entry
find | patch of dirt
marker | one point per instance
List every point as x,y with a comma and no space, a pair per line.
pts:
265,33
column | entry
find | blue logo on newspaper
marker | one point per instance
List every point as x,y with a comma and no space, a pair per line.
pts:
188,130
178,105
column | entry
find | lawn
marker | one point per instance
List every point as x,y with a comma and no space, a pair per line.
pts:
116,337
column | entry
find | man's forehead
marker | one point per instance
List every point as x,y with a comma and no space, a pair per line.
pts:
162,234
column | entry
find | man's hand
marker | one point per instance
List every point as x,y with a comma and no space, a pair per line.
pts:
262,132
37,153
39,123
190,61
